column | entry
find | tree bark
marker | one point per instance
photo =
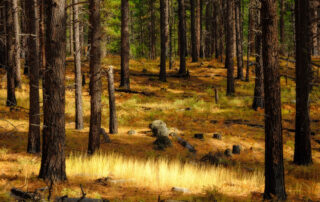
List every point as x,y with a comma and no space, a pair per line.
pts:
33,64
258,99
10,57
274,169
77,67
302,151
113,122
238,22
251,26
281,26
229,48
53,155
152,31
95,76
314,25
182,37
17,46
42,38
164,38
194,35
125,46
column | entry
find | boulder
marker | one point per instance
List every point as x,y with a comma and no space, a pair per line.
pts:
159,128
162,142
236,149
132,132
217,136
199,136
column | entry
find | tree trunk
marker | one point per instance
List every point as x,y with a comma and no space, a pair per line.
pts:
302,152
201,29
113,122
10,61
238,22
17,47
71,34
208,51
53,155
281,26
77,66
274,169
33,62
198,25
164,38
194,36
229,48
95,76
152,31
251,26
171,24
258,99
182,37
314,25
42,38
125,46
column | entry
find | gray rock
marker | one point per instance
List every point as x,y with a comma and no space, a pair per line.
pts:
162,142
199,136
132,132
228,153
159,128
217,136
236,149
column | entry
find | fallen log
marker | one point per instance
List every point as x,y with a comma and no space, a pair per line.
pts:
21,195
184,143
134,92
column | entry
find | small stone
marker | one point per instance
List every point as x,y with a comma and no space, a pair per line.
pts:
228,153
132,132
236,149
217,136
199,136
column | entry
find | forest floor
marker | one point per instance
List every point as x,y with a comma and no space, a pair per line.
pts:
143,173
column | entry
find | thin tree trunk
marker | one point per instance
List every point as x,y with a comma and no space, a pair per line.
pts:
42,38
194,36
251,26
152,31
53,156
274,169
125,46
281,26
17,46
238,26
198,25
229,48
113,122
33,62
302,151
71,34
201,29
164,38
171,24
95,73
314,25
258,99
182,37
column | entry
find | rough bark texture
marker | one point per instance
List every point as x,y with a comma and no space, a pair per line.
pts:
10,62
164,38
53,155
258,99
33,64
198,21
274,169
182,37
153,35
77,66
314,25
281,26
194,38
229,47
42,38
17,47
95,76
113,122
125,46
238,25
302,152
251,26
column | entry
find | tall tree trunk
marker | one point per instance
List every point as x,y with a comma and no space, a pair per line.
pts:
251,26
77,66
164,38
17,46
258,99
125,46
238,22
53,155
152,31
33,62
314,25
182,37
274,169
229,47
10,44
95,76
302,151
194,31
71,34
198,25
281,26
201,29
113,122
42,38
171,25
209,28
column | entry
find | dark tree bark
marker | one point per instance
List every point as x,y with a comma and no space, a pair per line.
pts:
208,47
17,46
194,37
251,26
125,46
171,25
229,47
164,38
281,26
152,31
95,76
77,66
10,45
182,37
33,62
201,29
238,23
113,122
274,169
302,151
198,25
258,99
219,27
53,155
314,24
42,38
